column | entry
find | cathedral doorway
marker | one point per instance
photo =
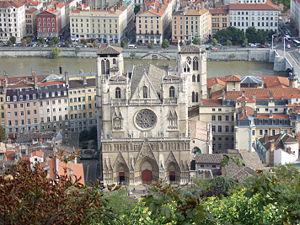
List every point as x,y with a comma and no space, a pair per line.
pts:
147,176
122,174
149,171
173,172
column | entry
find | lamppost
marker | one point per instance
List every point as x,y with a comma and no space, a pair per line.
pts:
284,46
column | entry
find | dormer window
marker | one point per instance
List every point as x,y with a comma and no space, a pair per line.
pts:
21,97
8,98
118,92
145,92
27,97
14,98
172,92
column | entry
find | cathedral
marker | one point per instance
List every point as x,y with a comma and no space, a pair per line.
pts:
143,116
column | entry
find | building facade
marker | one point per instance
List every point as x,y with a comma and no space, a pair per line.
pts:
48,23
31,21
188,24
153,22
12,20
219,18
108,26
143,118
82,104
261,16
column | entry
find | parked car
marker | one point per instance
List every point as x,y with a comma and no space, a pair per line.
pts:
132,46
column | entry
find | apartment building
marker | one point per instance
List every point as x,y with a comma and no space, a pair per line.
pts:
219,18
12,20
189,23
153,22
261,16
53,105
82,111
295,13
30,16
48,23
108,26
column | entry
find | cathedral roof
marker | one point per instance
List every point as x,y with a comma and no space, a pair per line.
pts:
154,74
109,50
190,49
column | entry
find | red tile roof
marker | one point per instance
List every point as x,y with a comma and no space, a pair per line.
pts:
274,116
233,78
258,7
50,83
38,153
219,10
10,4
212,81
277,81
211,102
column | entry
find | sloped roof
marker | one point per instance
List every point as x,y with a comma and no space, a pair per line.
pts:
109,50
277,81
244,6
154,74
209,158
251,80
190,49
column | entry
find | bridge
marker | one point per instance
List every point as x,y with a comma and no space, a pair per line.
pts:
285,60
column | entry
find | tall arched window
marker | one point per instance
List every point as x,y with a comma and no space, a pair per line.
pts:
198,78
102,66
118,92
193,78
196,97
195,63
145,92
193,97
172,92
107,66
114,61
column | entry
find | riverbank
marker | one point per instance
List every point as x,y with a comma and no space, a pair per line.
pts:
225,54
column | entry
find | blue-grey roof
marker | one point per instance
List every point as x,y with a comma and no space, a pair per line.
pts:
251,80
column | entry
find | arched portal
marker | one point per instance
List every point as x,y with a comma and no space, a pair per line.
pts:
173,172
122,174
149,171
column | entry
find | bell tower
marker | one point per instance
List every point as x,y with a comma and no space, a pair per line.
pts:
192,64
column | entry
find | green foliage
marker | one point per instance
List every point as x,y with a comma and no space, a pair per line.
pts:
12,40
150,45
41,41
55,53
257,36
68,43
2,134
214,41
124,43
196,41
54,41
165,43
137,9
232,34
228,43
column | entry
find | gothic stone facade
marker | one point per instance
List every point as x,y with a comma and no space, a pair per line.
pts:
143,122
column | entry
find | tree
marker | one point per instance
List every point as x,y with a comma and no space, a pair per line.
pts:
196,41
165,43
12,40
55,53
150,44
233,34
54,41
228,42
28,197
2,134
68,43
137,9
41,41
214,41
124,43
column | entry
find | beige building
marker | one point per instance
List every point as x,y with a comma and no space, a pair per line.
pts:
219,18
108,26
12,20
190,23
82,109
261,16
153,22
30,17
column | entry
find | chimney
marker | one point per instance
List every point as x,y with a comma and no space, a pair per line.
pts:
34,77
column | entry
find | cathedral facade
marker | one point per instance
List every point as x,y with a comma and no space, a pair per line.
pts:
143,117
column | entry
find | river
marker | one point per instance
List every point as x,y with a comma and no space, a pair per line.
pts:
24,66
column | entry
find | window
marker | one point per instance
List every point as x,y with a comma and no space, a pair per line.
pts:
219,128
219,118
198,78
193,78
118,92
195,63
145,92
172,92
213,117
